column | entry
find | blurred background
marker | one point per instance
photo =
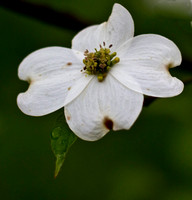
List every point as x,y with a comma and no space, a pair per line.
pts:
151,161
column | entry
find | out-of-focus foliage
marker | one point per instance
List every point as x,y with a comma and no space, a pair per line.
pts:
151,161
172,8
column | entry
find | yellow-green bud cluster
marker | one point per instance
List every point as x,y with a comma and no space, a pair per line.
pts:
99,62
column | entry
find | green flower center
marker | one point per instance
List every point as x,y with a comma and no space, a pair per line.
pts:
99,62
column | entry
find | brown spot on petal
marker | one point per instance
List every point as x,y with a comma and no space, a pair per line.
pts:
170,65
29,80
69,63
68,118
108,123
69,88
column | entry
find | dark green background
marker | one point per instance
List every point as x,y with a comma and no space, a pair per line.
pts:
151,161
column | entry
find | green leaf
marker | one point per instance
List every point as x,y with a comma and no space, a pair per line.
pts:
61,140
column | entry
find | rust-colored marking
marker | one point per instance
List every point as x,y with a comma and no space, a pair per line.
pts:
108,123
68,118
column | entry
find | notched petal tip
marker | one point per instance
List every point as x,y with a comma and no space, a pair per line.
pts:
108,123
169,65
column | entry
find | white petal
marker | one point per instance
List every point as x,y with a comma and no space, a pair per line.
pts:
78,86
147,59
49,61
51,73
118,29
120,26
87,39
102,106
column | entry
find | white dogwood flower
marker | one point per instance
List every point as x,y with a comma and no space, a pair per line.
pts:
100,82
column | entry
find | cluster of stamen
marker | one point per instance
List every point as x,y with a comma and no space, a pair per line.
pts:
99,62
